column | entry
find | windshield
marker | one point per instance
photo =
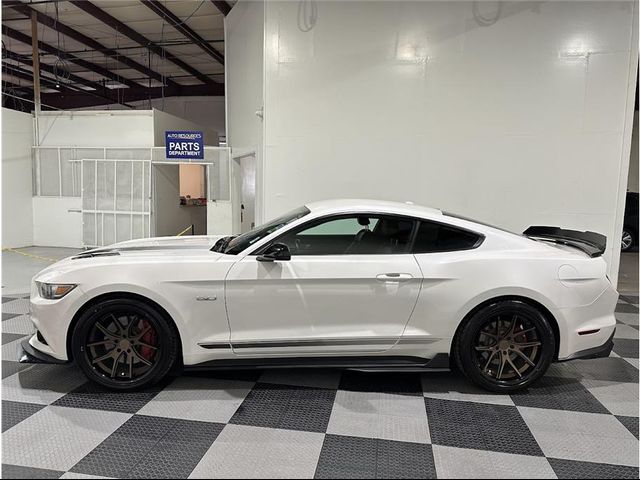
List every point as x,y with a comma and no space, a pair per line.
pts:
238,244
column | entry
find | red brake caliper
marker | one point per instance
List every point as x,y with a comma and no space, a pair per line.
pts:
150,339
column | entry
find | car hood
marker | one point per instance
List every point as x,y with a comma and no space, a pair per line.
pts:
142,250
196,242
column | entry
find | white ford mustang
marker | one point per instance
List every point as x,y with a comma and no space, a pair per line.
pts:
358,284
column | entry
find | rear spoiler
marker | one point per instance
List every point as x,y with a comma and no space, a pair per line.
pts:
591,243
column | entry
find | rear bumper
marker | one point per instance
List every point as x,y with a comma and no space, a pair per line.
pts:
601,351
587,328
29,354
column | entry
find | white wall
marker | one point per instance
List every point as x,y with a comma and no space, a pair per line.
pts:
206,111
219,218
17,211
522,121
96,128
57,222
163,121
244,72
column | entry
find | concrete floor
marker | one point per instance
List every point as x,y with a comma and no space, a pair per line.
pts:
21,264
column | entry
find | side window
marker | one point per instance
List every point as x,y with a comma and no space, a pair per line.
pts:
351,235
434,237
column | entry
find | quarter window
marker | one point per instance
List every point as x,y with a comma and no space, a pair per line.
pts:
435,237
351,235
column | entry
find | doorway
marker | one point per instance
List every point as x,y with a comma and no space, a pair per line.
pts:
180,199
244,192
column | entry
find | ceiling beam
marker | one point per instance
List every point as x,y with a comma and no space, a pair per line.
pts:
98,88
21,37
182,27
13,86
19,72
70,100
55,24
223,6
51,69
127,31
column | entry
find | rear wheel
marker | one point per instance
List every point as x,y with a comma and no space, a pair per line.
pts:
124,344
505,346
628,239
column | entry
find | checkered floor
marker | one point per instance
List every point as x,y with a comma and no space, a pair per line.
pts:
580,421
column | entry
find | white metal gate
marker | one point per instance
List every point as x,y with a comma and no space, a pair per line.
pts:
116,200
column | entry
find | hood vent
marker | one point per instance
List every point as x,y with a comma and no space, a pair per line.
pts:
96,253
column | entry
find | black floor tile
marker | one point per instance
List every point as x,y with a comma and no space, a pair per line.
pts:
288,407
151,447
15,412
354,457
9,367
630,298
626,347
10,337
626,308
631,423
480,426
9,316
559,394
92,396
15,471
575,469
610,368
393,382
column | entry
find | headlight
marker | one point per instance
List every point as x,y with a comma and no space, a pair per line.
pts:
54,291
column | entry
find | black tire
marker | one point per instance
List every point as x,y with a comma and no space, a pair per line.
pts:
515,325
105,327
629,239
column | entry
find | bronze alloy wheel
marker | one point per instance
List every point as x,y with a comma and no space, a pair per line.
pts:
507,347
122,347
125,343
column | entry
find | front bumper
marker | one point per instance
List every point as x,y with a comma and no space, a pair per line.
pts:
29,354
601,351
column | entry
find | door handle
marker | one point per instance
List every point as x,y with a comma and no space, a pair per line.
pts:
394,277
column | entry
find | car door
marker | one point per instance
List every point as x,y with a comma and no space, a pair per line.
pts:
349,287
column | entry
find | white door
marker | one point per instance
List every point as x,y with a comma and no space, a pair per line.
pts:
115,201
350,286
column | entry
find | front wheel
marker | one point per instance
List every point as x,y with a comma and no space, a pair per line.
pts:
124,344
505,346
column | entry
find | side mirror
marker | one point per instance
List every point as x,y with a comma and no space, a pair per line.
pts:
275,252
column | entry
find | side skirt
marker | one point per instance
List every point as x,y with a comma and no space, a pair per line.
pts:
440,362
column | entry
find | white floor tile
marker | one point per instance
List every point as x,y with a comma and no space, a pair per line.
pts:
618,398
379,415
57,437
588,437
454,462
256,452
461,389
203,399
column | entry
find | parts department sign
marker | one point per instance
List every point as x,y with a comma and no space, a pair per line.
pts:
187,145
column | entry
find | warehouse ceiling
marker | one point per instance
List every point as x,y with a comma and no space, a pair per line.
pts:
112,51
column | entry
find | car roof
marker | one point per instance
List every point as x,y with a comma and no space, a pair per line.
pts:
347,205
